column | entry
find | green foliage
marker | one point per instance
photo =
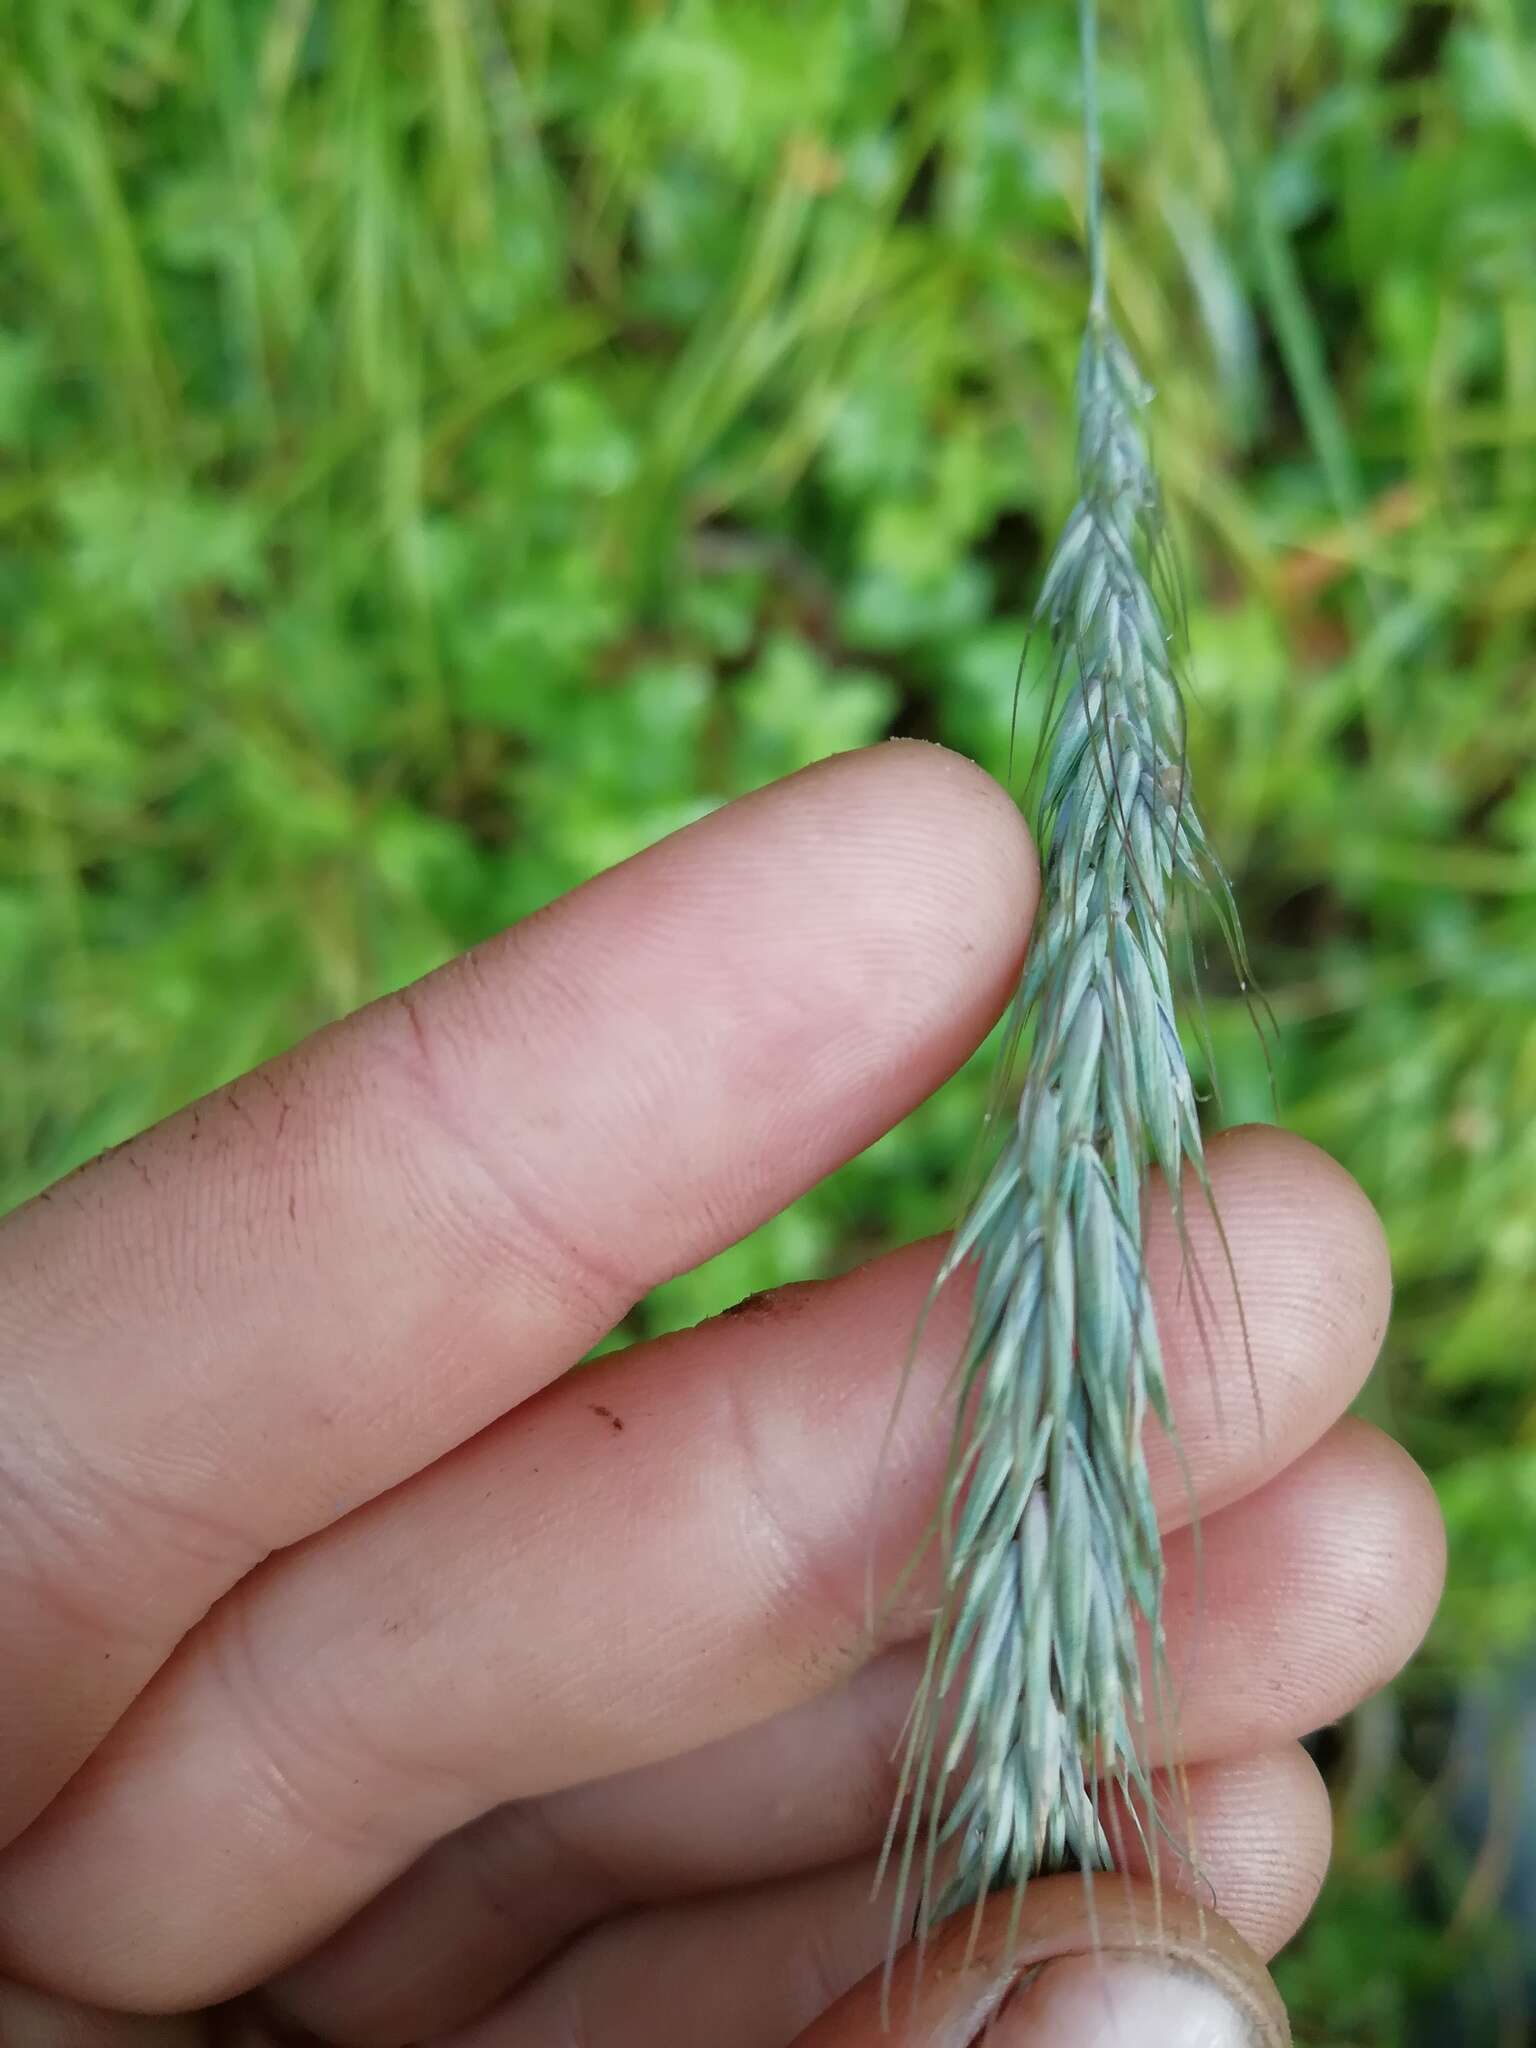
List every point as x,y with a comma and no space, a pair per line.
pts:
443,447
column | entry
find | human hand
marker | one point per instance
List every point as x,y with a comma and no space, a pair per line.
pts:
353,1650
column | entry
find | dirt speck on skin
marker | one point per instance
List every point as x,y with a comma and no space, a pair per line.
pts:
607,1414
754,1305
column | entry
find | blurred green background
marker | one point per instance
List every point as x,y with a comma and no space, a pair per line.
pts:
445,445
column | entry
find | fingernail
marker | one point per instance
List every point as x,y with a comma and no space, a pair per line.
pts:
1121,2000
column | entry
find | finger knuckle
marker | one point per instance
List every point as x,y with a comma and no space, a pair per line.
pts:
482,1199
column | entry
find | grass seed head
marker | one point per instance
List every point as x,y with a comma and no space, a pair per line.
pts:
1033,1697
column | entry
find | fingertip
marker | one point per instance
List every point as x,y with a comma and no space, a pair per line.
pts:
1266,1826
889,890
1312,1191
892,889
1274,1292
915,801
1249,1835
1297,1603
1399,1539
1298,1789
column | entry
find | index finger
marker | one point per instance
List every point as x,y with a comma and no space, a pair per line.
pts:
291,1296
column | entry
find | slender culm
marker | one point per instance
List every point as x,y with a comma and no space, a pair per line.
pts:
1029,1714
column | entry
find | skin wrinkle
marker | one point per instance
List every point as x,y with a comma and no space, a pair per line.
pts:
41,1543
782,1557
821,1539
58,1516
288,1751
255,1140
125,1511
519,1241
